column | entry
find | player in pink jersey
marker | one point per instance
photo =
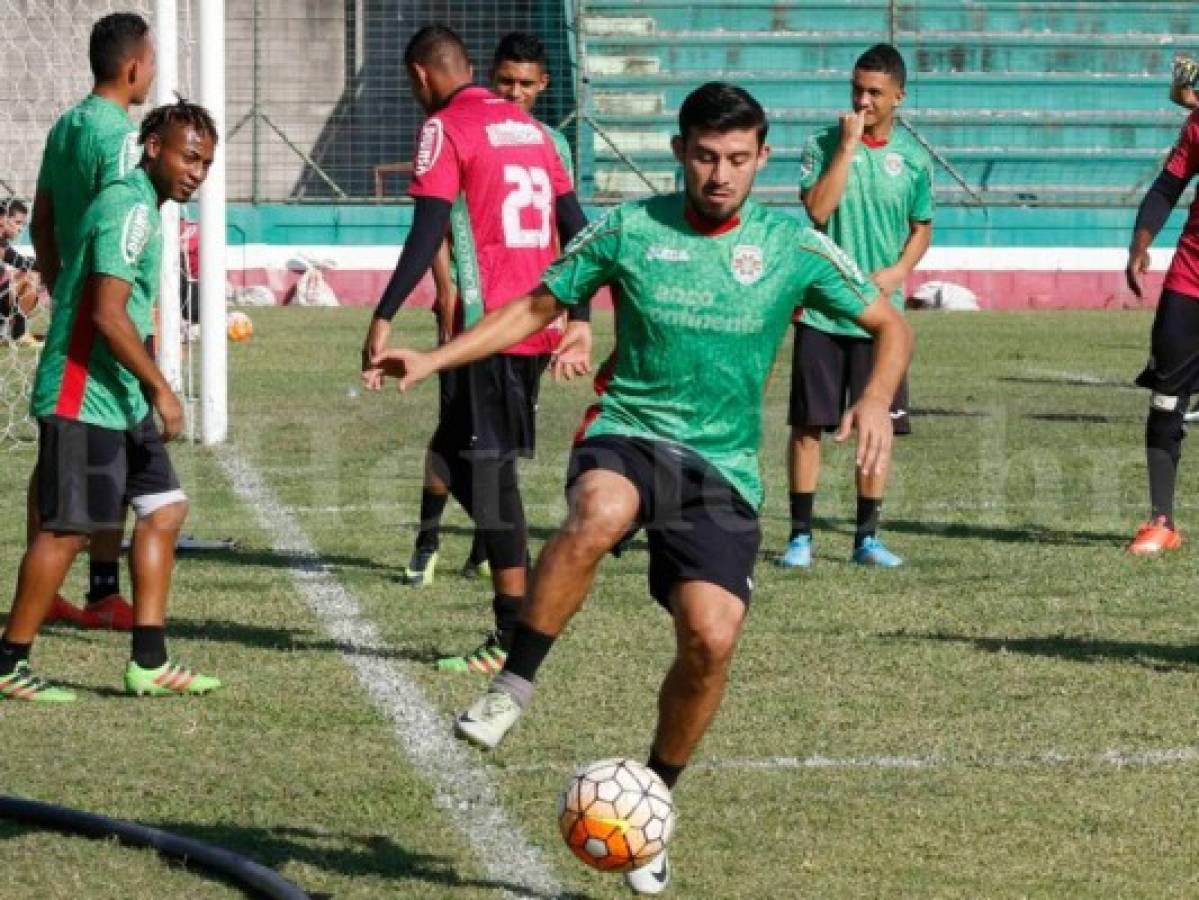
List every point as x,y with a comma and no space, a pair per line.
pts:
1172,373
487,171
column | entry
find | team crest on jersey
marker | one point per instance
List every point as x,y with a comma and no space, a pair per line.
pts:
135,233
893,164
432,135
131,152
747,263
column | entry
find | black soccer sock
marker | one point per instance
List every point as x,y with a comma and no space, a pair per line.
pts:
478,550
103,580
801,513
667,772
1163,473
528,651
149,645
868,514
11,654
507,612
432,505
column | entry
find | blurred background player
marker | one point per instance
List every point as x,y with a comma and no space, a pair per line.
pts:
487,172
19,283
92,145
1172,373
710,281
868,185
520,73
94,396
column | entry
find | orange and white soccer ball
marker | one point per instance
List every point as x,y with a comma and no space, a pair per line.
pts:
239,326
616,814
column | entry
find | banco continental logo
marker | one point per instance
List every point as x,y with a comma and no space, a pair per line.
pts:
135,233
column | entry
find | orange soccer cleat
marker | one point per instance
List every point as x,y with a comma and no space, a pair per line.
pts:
114,612
63,610
1154,537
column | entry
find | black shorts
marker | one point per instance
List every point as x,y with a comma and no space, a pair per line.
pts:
699,527
1173,367
87,475
489,407
828,374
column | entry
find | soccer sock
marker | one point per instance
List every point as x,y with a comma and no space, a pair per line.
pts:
149,645
432,505
507,612
527,653
478,550
104,579
1163,472
801,513
868,513
11,654
519,689
667,772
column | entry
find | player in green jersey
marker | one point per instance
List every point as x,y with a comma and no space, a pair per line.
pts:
92,145
98,445
708,282
868,185
520,73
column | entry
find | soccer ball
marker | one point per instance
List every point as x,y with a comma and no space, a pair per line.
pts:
238,326
615,814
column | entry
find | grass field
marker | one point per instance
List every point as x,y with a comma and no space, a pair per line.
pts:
1013,714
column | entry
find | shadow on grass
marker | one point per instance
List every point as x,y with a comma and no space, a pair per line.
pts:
287,559
348,855
1158,657
1072,381
1005,534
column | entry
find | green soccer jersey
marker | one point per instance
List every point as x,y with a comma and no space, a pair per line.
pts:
699,320
77,375
889,187
92,145
563,148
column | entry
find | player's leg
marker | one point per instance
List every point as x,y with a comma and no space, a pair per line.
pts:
160,508
868,549
61,609
603,504
435,489
818,373
1171,376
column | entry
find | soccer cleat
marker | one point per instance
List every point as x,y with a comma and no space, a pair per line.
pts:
22,684
63,610
476,568
488,719
871,552
1154,537
652,878
168,680
419,571
113,612
798,554
486,659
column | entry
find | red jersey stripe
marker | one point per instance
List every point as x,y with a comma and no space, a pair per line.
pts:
79,352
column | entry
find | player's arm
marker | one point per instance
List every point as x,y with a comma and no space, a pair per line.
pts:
822,197
500,328
890,279
1155,209
430,223
110,316
41,231
445,299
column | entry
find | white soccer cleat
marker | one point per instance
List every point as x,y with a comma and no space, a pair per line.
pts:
488,719
652,878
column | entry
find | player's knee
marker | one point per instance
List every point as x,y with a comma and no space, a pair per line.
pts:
600,518
708,645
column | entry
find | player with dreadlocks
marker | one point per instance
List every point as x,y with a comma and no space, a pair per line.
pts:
98,444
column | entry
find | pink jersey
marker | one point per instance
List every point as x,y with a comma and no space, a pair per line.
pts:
504,162
1183,162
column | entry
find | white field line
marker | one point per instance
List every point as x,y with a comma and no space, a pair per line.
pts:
463,789
1050,759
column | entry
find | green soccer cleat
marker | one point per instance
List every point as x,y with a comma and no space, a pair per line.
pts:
486,659
420,568
168,680
476,568
22,684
